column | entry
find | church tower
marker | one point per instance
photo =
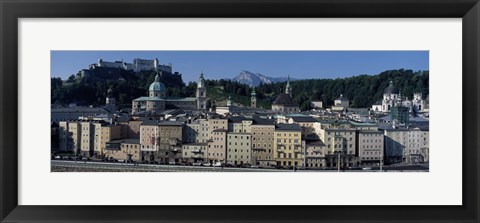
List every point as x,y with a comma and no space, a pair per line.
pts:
201,93
110,100
288,88
253,99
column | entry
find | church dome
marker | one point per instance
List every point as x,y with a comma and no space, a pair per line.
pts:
157,85
391,89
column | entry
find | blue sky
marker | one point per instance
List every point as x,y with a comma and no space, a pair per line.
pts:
227,64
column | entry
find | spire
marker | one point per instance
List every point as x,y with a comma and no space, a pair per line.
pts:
157,78
201,81
288,88
253,92
109,91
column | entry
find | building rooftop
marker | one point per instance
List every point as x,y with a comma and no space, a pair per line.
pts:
129,141
149,99
263,121
150,122
303,119
284,99
123,119
315,143
353,123
287,127
170,123
370,131
191,99
195,144
236,119
96,110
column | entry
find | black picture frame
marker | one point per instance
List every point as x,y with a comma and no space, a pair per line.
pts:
11,11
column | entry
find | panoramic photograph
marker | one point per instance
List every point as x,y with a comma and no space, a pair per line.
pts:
239,111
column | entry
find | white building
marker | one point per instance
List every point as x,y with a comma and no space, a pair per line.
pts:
340,103
392,94
316,104
410,145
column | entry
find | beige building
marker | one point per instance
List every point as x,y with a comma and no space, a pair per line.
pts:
130,128
70,136
307,123
370,147
90,141
216,123
194,153
315,154
239,148
341,145
196,131
410,145
149,139
170,134
263,131
240,124
284,102
287,145
217,146
126,150
108,133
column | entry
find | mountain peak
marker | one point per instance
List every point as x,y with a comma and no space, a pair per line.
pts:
255,79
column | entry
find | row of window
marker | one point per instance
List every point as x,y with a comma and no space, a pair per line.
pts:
285,134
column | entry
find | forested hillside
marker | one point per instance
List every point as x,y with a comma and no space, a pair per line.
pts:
362,90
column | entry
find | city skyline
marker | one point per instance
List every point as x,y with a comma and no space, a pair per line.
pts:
298,64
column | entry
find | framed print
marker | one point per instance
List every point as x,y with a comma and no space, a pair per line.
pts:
205,111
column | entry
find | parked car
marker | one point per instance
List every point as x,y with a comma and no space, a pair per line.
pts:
207,164
58,157
197,163
218,164
171,163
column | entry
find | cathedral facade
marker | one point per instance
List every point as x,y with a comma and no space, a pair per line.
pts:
392,96
158,101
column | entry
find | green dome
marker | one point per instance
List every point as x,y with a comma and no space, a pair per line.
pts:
157,85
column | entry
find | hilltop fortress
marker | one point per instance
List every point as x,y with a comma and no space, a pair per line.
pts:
117,69
137,65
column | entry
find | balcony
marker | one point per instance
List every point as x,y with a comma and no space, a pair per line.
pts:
197,156
259,149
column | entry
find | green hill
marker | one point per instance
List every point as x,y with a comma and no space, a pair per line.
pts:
362,90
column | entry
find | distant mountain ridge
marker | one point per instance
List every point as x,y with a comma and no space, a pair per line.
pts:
255,79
